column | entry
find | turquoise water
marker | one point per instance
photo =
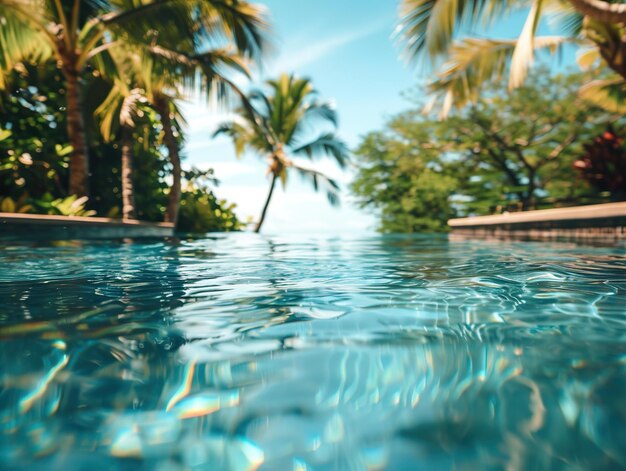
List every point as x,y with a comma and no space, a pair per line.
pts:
241,352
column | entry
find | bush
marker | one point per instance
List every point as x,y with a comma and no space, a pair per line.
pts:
201,211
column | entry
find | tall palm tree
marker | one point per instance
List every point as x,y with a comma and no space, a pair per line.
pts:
157,77
75,31
118,114
171,75
280,125
429,28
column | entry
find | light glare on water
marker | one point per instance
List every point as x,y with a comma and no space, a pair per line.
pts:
240,352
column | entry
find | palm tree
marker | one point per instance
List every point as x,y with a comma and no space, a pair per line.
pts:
282,124
74,32
118,114
429,28
173,74
157,77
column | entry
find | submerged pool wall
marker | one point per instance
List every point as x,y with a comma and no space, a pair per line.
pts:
593,222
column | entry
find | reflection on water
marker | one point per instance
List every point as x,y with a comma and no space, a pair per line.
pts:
242,352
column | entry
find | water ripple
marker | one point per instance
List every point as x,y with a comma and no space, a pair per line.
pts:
242,352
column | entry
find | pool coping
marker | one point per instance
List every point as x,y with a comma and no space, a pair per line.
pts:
78,227
598,221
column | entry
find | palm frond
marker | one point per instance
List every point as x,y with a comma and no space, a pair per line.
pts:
586,58
473,62
326,144
119,108
320,181
245,24
321,111
19,41
564,17
523,53
609,94
207,74
109,111
429,26
243,137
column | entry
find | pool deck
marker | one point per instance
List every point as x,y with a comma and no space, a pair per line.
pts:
593,222
36,226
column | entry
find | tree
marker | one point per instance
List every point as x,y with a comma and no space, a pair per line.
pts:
120,113
530,135
402,176
603,164
429,28
75,32
508,150
282,124
163,76
164,73
34,155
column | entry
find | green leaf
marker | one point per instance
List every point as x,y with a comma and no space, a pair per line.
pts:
7,205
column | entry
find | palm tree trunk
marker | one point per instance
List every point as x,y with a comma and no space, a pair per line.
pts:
267,203
173,204
79,160
128,194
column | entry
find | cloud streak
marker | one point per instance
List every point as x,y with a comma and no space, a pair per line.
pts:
314,50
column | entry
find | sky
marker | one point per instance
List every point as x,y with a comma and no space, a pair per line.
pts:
346,48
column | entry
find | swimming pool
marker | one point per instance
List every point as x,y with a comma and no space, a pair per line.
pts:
251,352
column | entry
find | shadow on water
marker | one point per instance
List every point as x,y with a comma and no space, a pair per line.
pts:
243,352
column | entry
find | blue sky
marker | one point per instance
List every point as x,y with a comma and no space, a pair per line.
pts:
346,48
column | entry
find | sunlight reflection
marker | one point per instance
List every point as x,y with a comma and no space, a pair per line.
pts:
27,401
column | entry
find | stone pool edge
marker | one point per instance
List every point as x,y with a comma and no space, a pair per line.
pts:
604,222
13,225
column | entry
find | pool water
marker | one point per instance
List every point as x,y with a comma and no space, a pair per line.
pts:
243,352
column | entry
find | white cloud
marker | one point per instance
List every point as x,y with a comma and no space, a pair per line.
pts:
314,50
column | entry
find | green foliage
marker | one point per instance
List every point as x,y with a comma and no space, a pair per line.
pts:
34,155
33,152
406,182
47,204
201,211
508,151
68,206
9,205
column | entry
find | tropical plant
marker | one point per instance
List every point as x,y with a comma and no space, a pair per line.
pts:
604,164
69,206
281,125
124,119
9,205
167,76
430,29
200,210
159,76
47,204
34,153
77,32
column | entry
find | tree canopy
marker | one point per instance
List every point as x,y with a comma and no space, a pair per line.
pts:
509,150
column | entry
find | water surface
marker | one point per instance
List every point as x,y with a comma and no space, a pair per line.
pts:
243,352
